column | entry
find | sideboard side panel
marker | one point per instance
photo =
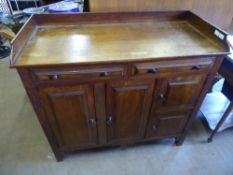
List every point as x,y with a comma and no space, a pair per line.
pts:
34,98
204,91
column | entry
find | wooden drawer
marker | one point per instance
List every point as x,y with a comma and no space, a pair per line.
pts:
166,67
78,73
167,124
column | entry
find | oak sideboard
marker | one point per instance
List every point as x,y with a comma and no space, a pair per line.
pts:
105,79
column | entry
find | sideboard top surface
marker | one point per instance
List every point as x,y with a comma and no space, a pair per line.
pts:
111,41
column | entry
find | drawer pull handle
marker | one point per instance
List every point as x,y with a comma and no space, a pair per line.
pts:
162,97
54,77
152,71
92,121
154,128
110,120
196,67
104,74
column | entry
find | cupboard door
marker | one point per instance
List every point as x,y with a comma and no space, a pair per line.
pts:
128,105
70,112
166,124
178,92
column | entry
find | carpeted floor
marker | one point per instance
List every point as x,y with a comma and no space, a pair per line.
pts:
24,149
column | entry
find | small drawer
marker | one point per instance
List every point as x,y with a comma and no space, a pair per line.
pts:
82,73
153,68
167,124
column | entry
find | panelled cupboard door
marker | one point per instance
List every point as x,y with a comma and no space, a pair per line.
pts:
167,124
71,114
128,106
178,92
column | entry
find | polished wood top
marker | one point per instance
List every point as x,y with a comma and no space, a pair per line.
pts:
115,42
90,38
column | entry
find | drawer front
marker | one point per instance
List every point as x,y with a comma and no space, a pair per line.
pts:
166,67
80,73
166,124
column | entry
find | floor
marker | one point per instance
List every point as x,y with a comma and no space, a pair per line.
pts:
24,149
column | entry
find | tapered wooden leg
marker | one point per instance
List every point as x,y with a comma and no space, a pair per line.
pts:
179,141
59,155
227,112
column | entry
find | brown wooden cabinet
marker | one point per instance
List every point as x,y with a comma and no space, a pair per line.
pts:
116,78
124,110
151,107
104,110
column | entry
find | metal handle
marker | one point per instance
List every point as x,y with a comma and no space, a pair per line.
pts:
104,74
162,97
152,71
92,121
110,120
196,67
154,128
54,77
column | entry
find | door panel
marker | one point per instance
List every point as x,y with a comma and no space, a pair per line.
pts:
70,111
179,92
166,124
128,105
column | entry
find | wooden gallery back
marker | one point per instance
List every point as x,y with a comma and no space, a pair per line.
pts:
105,79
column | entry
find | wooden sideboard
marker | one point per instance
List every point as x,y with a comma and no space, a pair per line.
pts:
218,12
105,79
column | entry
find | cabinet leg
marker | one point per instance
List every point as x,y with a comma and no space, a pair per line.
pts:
209,140
179,141
59,156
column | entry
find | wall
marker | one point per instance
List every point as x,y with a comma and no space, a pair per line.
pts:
219,12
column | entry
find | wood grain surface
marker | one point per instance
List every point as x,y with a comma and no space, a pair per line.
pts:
115,42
